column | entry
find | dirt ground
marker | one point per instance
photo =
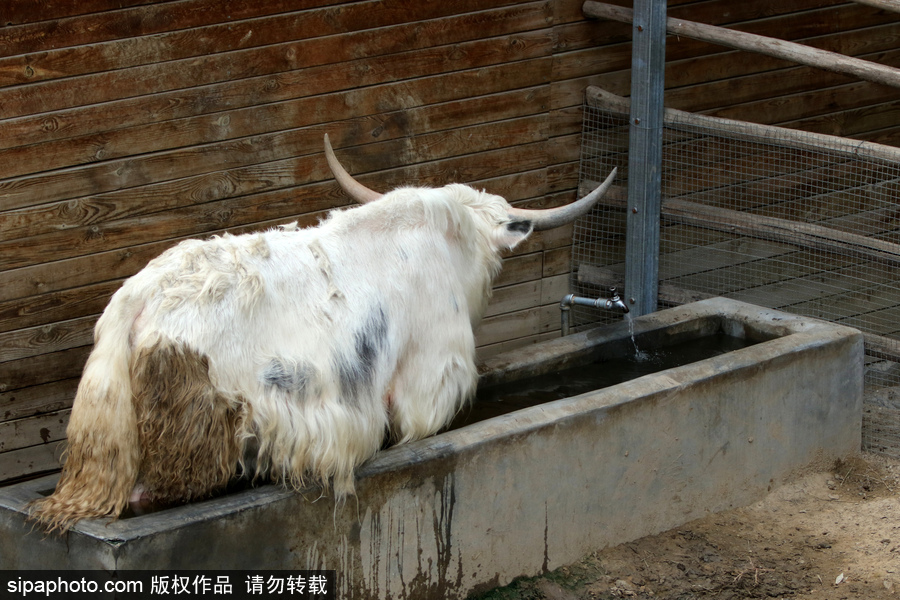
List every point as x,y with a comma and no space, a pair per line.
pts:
828,535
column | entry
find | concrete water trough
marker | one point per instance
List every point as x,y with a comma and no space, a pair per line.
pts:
528,491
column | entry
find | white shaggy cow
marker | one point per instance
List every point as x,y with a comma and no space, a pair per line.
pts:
303,348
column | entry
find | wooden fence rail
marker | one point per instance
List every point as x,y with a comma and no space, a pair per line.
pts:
740,40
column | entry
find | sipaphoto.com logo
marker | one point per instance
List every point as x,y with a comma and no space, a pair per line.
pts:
67,587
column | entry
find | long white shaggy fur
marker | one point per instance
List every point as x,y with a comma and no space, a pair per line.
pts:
317,341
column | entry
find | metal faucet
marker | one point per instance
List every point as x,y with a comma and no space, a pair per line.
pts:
613,303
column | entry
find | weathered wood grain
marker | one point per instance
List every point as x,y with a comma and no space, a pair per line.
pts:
161,106
113,144
30,461
44,368
197,218
18,12
32,431
392,101
34,341
38,399
60,27
56,306
235,36
263,79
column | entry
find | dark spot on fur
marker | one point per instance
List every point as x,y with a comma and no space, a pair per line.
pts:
523,226
370,339
286,376
357,372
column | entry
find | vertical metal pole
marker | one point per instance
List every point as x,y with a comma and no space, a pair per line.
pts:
648,57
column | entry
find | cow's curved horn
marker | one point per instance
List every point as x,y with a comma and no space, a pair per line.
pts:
351,187
549,218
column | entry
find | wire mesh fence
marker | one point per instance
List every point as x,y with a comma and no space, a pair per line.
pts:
789,220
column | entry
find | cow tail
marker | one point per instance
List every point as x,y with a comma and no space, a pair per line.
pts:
103,453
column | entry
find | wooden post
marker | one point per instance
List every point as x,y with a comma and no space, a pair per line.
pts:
648,57
804,55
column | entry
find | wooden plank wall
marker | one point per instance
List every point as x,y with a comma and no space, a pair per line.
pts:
129,125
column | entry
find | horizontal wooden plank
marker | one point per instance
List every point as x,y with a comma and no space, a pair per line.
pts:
576,33
532,321
42,339
792,94
44,458
488,350
501,327
514,297
32,431
43,33
56,306
41,369
517,269
800,234
692,83
852,122
747,131
37,399
528,294
18,12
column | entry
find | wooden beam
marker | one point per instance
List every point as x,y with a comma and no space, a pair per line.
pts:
750,42
882,4
792,138
882,347
803,235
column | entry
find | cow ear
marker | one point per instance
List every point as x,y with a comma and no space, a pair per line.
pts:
511,233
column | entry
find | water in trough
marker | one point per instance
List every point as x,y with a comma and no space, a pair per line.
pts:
507,397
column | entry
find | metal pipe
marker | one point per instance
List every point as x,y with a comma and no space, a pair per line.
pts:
612,303
648,61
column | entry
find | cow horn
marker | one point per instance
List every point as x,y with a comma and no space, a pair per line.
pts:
549,218
351,187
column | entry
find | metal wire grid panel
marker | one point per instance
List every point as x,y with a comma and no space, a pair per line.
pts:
797,226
